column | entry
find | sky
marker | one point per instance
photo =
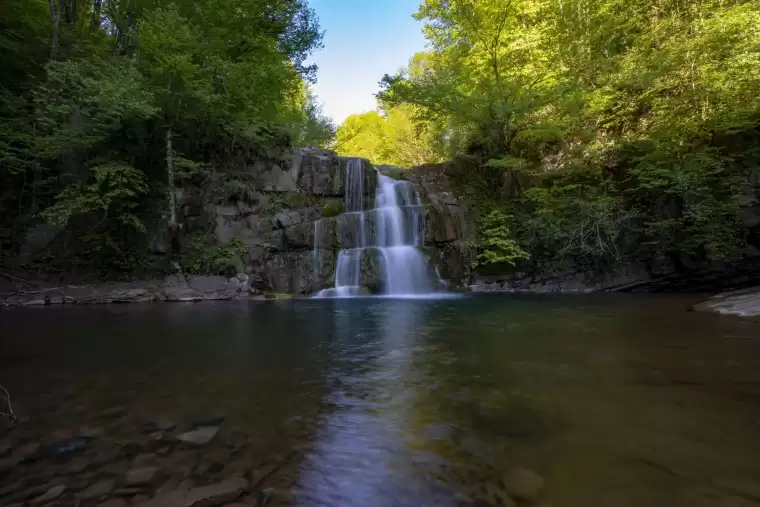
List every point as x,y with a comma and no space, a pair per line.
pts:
364,40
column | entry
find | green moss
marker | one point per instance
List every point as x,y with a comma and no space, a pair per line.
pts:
277,295
332,209
202,256
283,201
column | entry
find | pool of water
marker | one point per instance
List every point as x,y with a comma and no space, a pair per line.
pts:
613,400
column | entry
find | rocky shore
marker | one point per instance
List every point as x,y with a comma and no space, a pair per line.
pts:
175,288
742,303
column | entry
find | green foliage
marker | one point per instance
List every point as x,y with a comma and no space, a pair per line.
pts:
332,209
280,201
106,208
606,127
580,222
496,244
105,106
390,139
203,256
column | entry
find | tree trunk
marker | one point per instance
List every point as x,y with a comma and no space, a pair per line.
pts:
55,14
170,178
95,19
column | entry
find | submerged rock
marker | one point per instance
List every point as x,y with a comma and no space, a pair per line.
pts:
51,495
207,496
208,420
69,447
200,436
523,484
97,490
141,476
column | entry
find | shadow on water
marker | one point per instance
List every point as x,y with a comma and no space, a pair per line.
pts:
613,401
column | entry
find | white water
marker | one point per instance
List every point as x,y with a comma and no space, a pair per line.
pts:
393,231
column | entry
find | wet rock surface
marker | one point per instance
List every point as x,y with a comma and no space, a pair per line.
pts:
743,303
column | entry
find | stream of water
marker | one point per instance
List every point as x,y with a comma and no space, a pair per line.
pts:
613,400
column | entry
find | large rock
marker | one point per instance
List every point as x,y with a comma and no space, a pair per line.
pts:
141,476
743,303
200,436
198,288
320,233
300,272
50,495
97,490
207,496
524,485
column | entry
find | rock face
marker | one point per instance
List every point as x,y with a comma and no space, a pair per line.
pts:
278,222
447,228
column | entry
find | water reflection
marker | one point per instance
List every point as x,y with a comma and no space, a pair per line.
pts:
360,456
614,401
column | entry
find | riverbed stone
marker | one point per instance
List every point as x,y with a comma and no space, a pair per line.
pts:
29,452
130,491
214,419
523,484
69,447
200,436
114,412
61,435
91,432
141,476
7,464
97,490
159,424
143,460
114,502
50,495
216,494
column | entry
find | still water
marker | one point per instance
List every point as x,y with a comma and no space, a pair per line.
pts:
613,400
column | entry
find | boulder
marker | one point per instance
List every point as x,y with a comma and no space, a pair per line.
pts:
141,476
207,496
50,495
200,436
322,233
114,502
198,288
741,303
523,485
216,494
286,219
294,272
97,490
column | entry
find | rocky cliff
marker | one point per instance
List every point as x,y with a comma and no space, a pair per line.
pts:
277,219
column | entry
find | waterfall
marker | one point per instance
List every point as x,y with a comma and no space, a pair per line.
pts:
389,235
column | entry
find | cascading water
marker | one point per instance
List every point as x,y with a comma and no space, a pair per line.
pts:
392,232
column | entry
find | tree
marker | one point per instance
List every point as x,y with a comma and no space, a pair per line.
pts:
135,92
635,117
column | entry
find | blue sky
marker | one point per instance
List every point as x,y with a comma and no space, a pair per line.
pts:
364,39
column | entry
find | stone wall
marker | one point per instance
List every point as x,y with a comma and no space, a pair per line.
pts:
277,222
